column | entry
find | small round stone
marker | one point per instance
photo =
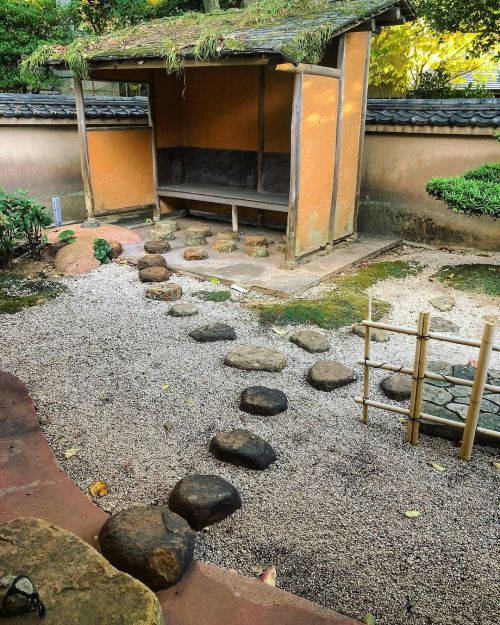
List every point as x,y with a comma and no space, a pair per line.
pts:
258,252
397,387
195,253
327,375
224,246
157,247
255,240
116,249
151,260
201,229
154,274
243,449
212,332
167,293
263,401
183,310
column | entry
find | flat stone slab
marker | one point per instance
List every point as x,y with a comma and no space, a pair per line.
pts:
183,310
327,375
397,387
443,303
75,582
243,448
438,324
311,340
212,332
377,335
263,401
204,500
150,543
156,247
167,293
154,274
151,260
250,358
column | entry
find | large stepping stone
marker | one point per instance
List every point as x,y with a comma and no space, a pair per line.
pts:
327,375
164,230
150,543
397,387
212,332
438,324
243,448
195,253
194,239
154,274
183,310
151,260
156,247
377,335
75,582
167,293
204,500
311,340
263,401
250,358
443,303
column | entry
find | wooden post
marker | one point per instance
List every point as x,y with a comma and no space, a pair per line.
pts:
234,217
417,386
366,376
296,132
84,153
152,124
478,389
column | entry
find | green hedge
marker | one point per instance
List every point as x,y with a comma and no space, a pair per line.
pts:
477,192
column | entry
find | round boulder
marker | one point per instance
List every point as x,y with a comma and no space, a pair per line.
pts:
154,274
151,260
397,387
151,543
156,247
167,293
250,358
327,375
212,332
311,340
242,448
204,500
263,401
183,310
116,249
195,253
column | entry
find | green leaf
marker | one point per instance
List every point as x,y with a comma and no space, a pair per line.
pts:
412,514
369,619
437,467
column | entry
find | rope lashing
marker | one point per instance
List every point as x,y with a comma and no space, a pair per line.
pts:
18,588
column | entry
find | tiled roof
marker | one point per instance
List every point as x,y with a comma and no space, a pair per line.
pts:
63,106
454,112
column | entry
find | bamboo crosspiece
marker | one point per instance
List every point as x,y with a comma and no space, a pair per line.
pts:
366,380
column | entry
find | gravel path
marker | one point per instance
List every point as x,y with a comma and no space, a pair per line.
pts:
330,513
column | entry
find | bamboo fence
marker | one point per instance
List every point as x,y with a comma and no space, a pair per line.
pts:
418,373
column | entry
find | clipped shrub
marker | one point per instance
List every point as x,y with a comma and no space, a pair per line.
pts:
489,172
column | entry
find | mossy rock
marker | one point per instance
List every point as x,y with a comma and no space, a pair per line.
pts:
214,296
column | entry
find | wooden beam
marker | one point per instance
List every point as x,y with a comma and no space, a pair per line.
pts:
160,64
260,129
314,70
291,229
154,151
368,26
388,17
84,151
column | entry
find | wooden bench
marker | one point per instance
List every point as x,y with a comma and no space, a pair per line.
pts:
232,196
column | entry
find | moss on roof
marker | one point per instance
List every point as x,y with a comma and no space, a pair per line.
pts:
294,29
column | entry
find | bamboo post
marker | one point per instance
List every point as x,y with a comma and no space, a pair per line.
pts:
418,376
84,153
366,371
152,125
476,397
234,217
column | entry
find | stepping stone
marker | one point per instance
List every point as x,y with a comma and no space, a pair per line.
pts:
465,372
164,230
227,236
183,310
194,239
224,246
441,367
156,247
154,274
258,252
263,401
494,377
377,335
397,387
116,249
443,304
255,240
151,260
460,409
204,500
195,253
436,395
212,332
200,229
250,358
327,375
76,583
312,341
438,324
242,448
151,543
167,293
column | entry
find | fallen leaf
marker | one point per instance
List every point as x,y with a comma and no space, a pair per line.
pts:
437,467
496,465
258,569
69,453
369,619
215,280
280,331
412,514
190,402
269,576
98,489
165,387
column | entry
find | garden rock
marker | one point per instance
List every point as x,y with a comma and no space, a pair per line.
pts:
200,229
227,236
154,274
167,293
438,324
243,449
75,582
250,358
377,335
116,249
156,247
164,230
443,304
151,260
193,239
182,310
195,253
312,341
397,387
465,372
212,332
76,258
255,240
258,252
224,246
150,543
204,499
327,375
263,401
436,395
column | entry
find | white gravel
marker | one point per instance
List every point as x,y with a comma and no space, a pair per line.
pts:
330,513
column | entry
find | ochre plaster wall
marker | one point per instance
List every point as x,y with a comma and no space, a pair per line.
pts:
278,111
168,109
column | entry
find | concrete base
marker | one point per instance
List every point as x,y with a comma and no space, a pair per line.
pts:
265,274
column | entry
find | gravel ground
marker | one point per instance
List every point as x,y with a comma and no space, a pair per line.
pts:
330,513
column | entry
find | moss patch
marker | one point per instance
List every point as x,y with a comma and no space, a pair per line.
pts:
344,305
18,292
484,279
214,296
